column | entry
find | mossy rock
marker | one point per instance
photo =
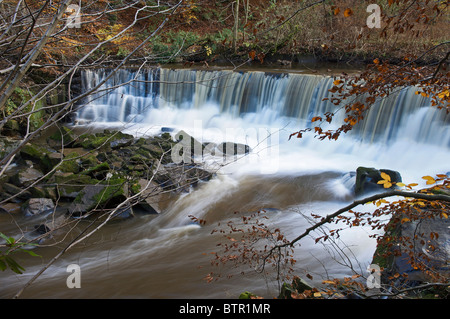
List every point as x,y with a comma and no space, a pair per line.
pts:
98,171
104,141
70,185
92,141
11,128
7,145
38,155
247,295
106,194
89,160
70,163
63,136
298,286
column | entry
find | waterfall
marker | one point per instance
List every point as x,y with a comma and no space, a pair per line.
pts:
401,132
260,97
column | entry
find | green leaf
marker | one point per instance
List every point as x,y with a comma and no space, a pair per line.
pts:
14,265
4,236
2,265
30,252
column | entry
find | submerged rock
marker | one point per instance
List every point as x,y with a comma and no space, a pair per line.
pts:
10,208
38,206
368,177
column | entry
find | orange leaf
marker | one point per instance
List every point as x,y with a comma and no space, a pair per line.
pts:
336,11
252,54
404,220
348,12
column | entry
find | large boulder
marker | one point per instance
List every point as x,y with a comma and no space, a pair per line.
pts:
106,194
426,240
69,185
367,180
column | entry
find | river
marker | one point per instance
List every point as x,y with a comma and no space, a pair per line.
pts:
168,256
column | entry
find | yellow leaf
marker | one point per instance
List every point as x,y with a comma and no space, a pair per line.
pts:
444,94
385,176
387,185
401,184
444,215
317,294
430,180
404,220
337,82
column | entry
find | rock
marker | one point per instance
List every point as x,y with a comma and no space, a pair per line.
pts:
146,208
297,286
55,158
41,229
11,128
230,148
98,171
38,206
62,137
104,141
39,155
151,196
107,194
180,177
26,177
14,190
124,213
247,295
284,62
367,179
123,142
186,147
69,185
86,200
7,145
70,163
10,208
432,251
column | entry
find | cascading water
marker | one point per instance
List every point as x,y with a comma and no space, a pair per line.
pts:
159,257
210,104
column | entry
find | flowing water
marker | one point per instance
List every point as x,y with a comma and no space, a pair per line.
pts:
167,256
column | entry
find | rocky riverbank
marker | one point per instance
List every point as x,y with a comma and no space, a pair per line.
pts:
68,175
